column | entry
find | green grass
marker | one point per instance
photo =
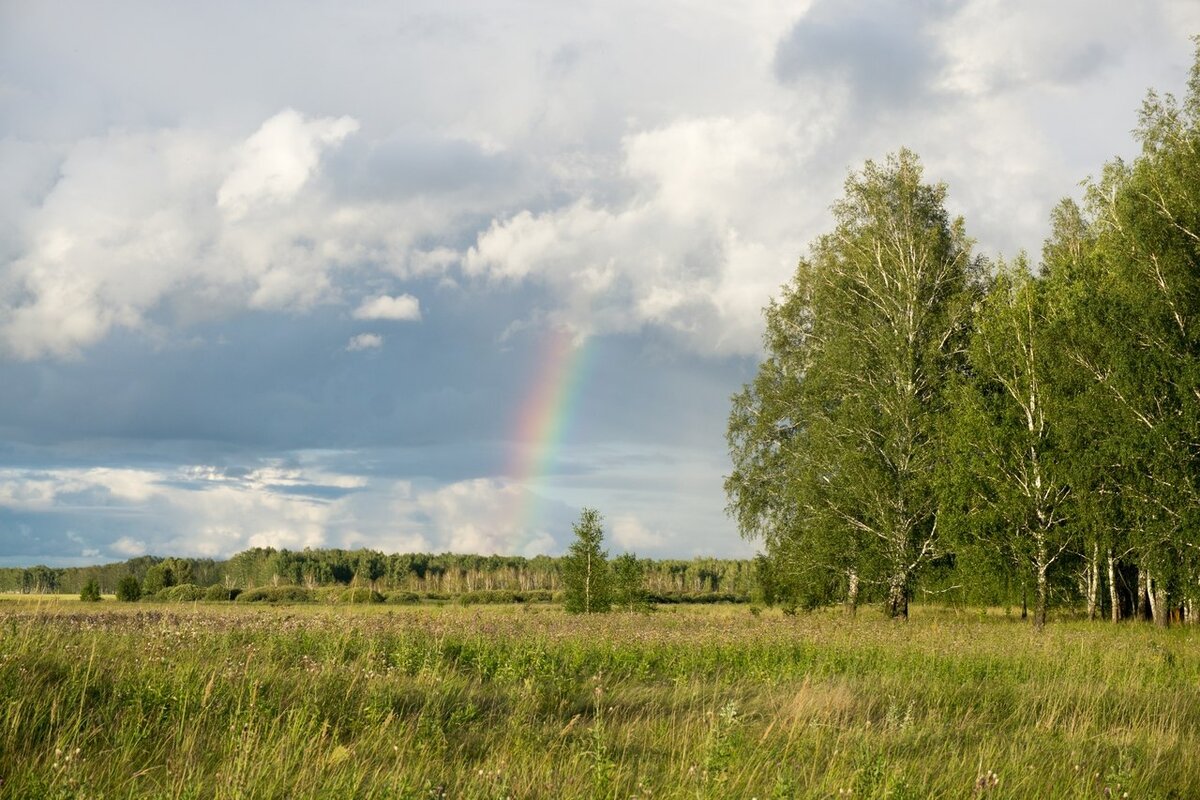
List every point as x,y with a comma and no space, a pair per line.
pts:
114,700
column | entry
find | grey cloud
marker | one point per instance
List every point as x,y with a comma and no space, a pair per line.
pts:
404,165
883,49
1073,65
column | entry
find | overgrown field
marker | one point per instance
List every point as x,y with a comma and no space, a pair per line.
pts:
493,702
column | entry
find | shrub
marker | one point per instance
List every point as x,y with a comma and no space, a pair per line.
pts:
183,593
327,594
276,594
489,597
217,592
672,598
90,593
129,589
403,598
361,594
504,596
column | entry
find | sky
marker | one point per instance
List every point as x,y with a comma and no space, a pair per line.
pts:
432,276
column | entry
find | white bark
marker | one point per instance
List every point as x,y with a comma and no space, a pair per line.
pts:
1093,586
1113,599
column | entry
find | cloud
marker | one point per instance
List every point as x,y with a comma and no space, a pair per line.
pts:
402,307
678,202
364,341
480,516
881,52
706,235
166,227
277,160
128,547
631,535
203,510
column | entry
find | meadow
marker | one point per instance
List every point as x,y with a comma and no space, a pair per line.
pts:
222,701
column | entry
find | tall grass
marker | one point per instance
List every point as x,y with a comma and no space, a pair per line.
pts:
494,702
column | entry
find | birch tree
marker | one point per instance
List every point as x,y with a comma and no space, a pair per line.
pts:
1007,453
587,582
835,441
1146,361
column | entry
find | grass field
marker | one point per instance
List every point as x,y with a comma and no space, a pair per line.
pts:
114,700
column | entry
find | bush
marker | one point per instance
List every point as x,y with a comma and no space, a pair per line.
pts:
90,593
129,589
504,596
327,594
403,598
276,594
672,598
361,594
488,597
183,593
217,592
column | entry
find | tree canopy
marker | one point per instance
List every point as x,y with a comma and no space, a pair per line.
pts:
920,412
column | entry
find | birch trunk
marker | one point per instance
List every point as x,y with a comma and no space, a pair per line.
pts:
1039,608
1158,604
1142,595
898,597
1113,599
1151,596
1093,588
852,594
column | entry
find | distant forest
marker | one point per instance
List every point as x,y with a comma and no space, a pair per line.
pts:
424,573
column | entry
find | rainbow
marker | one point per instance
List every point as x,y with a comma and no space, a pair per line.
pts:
540,426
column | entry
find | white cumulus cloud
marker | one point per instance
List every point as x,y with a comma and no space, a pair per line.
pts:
708,233
631,535
404,307
274,163
151,228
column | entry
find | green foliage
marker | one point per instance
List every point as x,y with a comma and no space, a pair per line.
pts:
129,589
1031,433
502,596
586,577
276,594
90,592
182,593
39,579
219,593
628,582
157,578
361,594
1006,489
835,440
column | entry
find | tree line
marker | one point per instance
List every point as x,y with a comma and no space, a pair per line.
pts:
424,573
927,420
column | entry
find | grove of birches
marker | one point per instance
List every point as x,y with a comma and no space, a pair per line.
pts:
931,423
